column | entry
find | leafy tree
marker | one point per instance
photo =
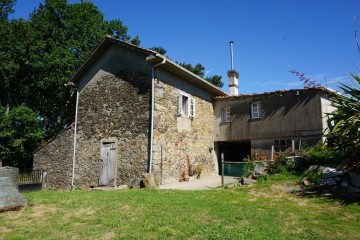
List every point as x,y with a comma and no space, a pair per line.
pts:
20,135
38,57
6,7
159,49
199,70
215,80
345,120
61,37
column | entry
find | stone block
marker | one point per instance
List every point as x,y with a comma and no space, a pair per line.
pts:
355,179
306,181
10,198
137,183
352,189
331,174
247,181
344,184
326,182
149,180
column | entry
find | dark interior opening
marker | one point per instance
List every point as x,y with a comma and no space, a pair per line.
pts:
233,151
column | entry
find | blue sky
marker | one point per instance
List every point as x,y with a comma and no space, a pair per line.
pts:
314,37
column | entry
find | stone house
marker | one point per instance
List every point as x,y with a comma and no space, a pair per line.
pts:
136,112
261,125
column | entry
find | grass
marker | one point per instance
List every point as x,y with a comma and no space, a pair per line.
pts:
262,211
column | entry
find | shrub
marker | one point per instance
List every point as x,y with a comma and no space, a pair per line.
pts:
281,163
320,154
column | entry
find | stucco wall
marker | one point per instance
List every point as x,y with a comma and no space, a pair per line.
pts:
286,114
56,159
180,141
326,108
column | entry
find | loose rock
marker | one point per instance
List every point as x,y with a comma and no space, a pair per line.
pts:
10,198
149,180
247,181
326,182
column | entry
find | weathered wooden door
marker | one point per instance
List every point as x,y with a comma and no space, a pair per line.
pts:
107,165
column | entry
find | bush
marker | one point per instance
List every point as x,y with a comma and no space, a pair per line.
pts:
282,163
320,154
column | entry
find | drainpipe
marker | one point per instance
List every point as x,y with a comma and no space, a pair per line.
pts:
152,112
74,152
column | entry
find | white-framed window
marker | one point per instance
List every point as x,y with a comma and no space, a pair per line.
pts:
255,110
225,115
186,106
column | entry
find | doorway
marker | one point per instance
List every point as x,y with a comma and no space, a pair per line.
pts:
107,164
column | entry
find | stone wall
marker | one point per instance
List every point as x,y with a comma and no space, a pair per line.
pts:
56,159
113,108
181,141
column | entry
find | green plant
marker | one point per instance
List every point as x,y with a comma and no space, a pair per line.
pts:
281,163
345,120
264,211
249,166
198,170
321,154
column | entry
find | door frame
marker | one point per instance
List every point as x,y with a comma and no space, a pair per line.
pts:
115,141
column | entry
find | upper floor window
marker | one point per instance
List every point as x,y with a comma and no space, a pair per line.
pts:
225,115
256,110
186,107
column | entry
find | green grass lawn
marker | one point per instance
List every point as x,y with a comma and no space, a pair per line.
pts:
262,211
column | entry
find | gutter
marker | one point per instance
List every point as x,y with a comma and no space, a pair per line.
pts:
152,112
75,134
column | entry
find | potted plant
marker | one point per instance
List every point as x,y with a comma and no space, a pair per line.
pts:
198,170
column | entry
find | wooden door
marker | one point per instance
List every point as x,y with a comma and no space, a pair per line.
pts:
107,165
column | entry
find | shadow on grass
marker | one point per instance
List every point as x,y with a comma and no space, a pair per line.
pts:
337,194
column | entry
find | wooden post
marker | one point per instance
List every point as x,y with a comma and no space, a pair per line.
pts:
222,169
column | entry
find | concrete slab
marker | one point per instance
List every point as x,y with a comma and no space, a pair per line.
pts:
201,184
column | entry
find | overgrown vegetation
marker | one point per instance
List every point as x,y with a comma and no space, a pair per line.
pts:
344,122
262,211
298,161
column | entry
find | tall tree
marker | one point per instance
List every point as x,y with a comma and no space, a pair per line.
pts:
64,35
38,57
199,70
20,133
6,8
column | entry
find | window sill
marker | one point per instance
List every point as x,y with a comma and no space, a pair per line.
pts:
255,119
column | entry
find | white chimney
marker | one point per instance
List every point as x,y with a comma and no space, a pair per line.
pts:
233,82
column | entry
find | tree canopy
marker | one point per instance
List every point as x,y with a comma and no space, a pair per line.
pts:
199,70
38,56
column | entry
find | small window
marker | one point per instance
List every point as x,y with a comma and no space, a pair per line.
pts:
186,107
282,145
256,110
225,115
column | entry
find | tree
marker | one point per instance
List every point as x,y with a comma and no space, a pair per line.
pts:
62,35
20,135
199,70
344,122
38,57
159,49
6,7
